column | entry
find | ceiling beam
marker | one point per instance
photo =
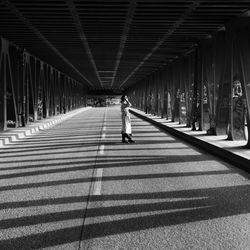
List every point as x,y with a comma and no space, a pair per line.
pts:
174,27
35,31
82,36
126,28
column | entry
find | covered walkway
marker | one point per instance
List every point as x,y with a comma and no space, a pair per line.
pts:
76,186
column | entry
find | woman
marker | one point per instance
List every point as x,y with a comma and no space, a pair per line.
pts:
126,121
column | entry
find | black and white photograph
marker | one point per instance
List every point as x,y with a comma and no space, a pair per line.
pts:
125,124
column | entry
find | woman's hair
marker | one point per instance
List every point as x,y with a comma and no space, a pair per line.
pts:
123,98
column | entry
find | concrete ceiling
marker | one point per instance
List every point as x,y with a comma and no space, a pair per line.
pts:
112,44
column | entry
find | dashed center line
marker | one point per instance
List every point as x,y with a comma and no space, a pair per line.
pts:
98,174
101,150
98,182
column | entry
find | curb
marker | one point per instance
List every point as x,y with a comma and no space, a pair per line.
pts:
228,156
13,136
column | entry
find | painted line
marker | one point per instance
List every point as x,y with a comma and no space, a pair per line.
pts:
98,183
101,150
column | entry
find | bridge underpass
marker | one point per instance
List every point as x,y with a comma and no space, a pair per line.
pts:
67,180
76,186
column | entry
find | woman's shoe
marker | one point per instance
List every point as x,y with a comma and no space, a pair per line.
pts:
124,138
129,138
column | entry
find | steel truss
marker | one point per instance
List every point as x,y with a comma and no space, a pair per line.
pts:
31,89
207,88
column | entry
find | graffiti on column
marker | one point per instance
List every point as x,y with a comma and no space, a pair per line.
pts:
206,113
211,95
183,110
40,108
177,105
238,111
196,107
205,96
237,89
190,103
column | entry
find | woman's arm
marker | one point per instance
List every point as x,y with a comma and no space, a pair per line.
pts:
128,102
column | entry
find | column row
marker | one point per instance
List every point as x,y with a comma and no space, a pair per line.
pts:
208,88
31,89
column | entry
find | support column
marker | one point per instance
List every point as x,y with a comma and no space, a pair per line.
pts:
230,120
195,111
3,84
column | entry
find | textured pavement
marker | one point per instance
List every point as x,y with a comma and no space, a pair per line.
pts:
76,186
235,152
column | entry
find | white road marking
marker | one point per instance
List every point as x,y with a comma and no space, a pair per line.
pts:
98,183
101,150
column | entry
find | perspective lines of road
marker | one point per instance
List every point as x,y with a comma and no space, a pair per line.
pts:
76,186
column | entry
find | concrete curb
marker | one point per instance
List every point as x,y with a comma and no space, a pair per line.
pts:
15,135
237,160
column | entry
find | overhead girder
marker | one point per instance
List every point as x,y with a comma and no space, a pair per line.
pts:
58,28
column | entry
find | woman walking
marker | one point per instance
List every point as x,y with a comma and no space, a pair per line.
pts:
126,120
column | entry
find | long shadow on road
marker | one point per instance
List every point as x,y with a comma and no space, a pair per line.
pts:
196,205
86,164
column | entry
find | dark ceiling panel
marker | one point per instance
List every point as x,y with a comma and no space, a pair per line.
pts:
112,44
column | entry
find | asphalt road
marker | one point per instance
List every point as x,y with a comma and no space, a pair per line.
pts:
76,186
